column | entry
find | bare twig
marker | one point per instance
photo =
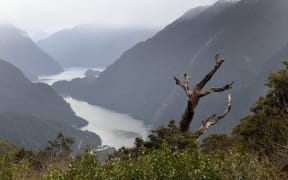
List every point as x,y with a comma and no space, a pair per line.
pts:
221,89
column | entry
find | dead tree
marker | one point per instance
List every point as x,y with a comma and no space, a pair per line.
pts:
194,96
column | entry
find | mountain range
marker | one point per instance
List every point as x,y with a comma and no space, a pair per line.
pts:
249,34
91,45
18,48
33,113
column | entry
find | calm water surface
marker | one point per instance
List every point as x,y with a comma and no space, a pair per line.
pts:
115,129
68,75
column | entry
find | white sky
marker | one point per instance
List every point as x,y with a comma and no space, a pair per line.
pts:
51,15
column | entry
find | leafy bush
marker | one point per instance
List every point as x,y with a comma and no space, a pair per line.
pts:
265,131
164,163
172,135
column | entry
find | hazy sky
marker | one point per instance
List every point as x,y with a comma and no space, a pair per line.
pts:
50,15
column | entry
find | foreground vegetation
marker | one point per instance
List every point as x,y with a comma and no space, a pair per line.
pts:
163,163
257,149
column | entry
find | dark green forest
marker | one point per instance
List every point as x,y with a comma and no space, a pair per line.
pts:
257,148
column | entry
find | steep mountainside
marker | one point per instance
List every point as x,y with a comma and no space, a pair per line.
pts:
33,133
30,114
247,33
91,45
274,63
17,48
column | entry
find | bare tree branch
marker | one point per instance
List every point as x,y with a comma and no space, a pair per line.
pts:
212,120
205,80
184,84
221,89
195,94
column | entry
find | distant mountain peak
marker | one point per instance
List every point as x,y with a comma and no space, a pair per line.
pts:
19,49
92,45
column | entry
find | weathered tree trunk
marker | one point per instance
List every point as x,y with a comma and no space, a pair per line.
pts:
188,114
194,97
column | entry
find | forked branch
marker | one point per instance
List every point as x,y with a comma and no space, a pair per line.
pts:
206,79
212,120
195,94
184,84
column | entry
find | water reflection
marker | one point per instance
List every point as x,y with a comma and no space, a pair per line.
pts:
68,75
115,129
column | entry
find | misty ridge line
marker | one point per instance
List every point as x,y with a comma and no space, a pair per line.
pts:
29,15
